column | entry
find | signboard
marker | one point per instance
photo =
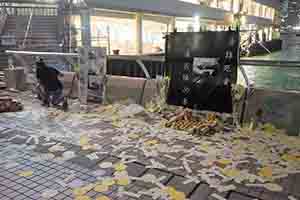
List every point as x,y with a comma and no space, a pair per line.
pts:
92,79
203,66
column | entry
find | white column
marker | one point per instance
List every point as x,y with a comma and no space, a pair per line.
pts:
172,24
139,33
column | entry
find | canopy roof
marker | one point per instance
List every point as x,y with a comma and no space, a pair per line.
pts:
166,7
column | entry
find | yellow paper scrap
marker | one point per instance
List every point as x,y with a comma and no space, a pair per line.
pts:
179,196
174,194
269,128
84,140
83,190
101,188
266,172
170,191
120,167
231,172
108,182
82,198
204,147
88,147
289,157
103,198
224,162
151,142
79,191
123,181
26,173
133,136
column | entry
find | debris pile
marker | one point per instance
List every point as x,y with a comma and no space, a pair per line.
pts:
200,124
8,104
252,158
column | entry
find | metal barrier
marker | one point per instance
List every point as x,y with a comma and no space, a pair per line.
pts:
131,66
26,11
3,17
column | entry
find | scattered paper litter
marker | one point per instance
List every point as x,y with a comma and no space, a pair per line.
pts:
103,198
218,197
49,193
186,166
67,155
269,186
92,156
106,165
76,183
57,147
131,194
227,188
99,173
101,188
26,173
292,198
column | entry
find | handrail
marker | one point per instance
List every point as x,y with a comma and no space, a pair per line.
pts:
27,29
26,10
3,18
270,63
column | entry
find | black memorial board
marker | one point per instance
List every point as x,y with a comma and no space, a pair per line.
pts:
203,66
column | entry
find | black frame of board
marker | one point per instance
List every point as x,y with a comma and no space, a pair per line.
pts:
208,44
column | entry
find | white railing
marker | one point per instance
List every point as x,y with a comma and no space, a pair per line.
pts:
3,17
27,29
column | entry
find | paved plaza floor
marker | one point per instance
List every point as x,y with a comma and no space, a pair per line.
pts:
49,155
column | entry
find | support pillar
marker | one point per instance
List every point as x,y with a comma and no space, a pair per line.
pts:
84,56
172,24
139,33
86,28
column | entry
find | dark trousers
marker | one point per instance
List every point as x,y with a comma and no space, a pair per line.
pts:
54,97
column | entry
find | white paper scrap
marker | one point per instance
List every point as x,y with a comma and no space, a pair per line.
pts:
292,198
49,193
186,166
226,188
92,156
171,157
218,197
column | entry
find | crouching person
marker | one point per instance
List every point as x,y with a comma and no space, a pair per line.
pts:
50,88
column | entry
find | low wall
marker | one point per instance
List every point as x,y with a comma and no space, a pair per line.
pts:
280,108
118,88
272,46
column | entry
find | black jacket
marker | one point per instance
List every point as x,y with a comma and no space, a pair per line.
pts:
48,77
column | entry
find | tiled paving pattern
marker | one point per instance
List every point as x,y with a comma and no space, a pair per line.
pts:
16,156
46,175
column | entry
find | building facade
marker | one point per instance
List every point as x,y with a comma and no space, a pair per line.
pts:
138,27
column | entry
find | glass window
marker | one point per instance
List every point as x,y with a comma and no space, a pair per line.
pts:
122,33
213,3
184,24
236,6
153,33
77,25
225,4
